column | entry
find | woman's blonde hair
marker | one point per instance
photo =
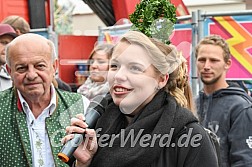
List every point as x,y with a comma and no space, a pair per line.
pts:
178,83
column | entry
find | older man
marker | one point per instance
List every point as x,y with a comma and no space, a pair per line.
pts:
21,26
34,114
7,34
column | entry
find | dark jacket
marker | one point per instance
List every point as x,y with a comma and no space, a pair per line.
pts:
188,144
63,85
228,113
201,156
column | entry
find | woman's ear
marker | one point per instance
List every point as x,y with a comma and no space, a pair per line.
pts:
163,79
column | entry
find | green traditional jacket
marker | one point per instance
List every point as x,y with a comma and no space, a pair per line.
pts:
15,148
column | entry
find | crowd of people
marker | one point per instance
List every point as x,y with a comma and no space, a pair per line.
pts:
152,118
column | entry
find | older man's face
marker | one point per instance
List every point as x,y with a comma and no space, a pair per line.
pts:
31,68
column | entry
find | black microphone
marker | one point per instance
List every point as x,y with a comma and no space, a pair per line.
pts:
95,109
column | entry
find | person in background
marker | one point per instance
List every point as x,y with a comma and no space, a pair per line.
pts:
142,106
7,34
62,85
34,113
98,65
226,110
21,26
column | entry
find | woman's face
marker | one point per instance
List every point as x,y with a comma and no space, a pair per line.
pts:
99,66
132,78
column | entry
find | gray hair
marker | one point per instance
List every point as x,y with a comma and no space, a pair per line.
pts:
30,36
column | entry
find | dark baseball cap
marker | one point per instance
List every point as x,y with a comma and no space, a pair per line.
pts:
6,29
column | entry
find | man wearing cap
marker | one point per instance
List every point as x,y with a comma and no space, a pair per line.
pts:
7,34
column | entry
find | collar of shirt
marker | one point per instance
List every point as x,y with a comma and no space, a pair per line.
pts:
46,112
40,145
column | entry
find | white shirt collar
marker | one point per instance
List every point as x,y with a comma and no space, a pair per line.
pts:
49,109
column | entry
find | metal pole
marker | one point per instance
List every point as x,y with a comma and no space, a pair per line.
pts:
117,27
201,20
227,13
51,34
193,71
184,18
200,25
51,5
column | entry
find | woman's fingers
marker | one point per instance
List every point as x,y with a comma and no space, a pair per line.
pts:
74,129
90,134
78,125
78,122
80,116
91,140
67,138
89,146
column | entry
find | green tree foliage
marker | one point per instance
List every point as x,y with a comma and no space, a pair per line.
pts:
154,18
63,17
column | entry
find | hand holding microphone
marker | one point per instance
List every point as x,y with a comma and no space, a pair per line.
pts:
86,150
94,111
